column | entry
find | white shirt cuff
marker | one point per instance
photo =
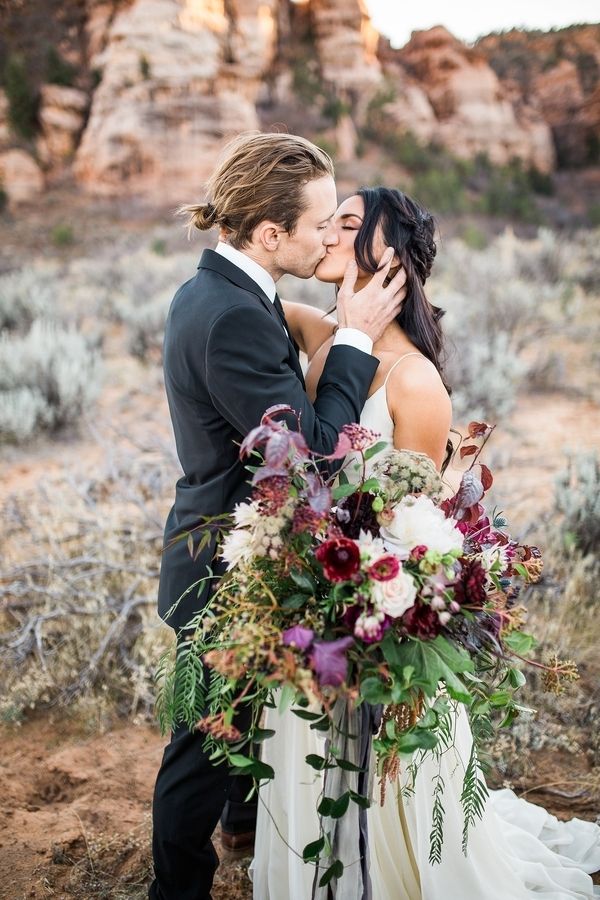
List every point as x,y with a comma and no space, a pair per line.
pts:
352,337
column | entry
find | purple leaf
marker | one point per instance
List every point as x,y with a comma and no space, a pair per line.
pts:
318,495
277,449
470,491
275,411
298,636
257,436
328,659
268,472
342,448
297,439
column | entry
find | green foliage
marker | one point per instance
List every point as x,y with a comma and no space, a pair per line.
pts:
436,837
58,69
577,497
22,99
439,190
509,193
159,246
144,66
3,199
473,797
474,237
62,235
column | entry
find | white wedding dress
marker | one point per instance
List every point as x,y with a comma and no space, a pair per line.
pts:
518,851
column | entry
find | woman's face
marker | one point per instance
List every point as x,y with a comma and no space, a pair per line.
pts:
347,222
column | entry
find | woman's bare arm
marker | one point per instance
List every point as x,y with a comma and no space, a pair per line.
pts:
308,326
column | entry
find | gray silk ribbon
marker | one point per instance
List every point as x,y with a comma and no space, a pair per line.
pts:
354,729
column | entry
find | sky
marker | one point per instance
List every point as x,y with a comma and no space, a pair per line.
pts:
467,20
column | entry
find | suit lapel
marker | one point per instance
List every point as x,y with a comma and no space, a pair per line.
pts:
218,263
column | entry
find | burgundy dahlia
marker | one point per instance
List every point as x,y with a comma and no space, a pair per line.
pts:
421,621
340,558
355,514
470,589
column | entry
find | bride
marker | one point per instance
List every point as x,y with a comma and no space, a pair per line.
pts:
518,850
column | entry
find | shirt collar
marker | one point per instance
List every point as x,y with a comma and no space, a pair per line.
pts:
250,267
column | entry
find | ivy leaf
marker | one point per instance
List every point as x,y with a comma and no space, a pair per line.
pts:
338,807
343,490
319,762
262,734
348,766
360,800
374,691
313,850
519,642
371,484
376,448
240,761
419,739
335,870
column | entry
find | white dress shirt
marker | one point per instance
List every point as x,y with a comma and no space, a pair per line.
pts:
351,337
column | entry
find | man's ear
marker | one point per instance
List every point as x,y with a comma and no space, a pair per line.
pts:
267,234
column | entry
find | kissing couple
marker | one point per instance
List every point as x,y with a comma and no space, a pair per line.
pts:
231,351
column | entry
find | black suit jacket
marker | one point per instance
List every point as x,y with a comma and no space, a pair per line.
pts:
227,358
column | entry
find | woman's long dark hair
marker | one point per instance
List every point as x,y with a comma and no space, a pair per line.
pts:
410,230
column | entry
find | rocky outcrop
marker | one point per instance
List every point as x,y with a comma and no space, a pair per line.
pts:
62,116
177,78
472,112
559,73
20,177
165,82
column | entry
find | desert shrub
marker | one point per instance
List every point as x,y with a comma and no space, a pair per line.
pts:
62,235
494,316
24,297
474,237
48,379
509,193
22,99
146,325
3,198
144,66
577,498
440,190
78,581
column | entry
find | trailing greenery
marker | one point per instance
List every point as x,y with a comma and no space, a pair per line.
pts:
22,99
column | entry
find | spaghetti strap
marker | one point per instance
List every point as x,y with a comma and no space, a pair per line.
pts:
412,353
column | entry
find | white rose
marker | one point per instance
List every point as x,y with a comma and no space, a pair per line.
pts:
416,520
395,596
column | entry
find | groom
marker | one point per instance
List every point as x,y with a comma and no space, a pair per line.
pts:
228,356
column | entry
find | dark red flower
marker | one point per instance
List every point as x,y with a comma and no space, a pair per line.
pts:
355,514
340,558
422,621
417,553
385,568
470,588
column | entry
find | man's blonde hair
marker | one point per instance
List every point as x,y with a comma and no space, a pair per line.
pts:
260,177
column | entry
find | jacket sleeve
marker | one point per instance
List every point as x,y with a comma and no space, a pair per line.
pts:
247,371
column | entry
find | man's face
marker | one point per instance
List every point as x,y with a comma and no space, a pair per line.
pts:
301,252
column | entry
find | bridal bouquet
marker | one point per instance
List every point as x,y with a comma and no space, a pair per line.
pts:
364,591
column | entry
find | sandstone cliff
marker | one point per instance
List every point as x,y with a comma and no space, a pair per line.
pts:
159,84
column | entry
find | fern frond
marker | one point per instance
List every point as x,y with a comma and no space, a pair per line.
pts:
473,797
436,837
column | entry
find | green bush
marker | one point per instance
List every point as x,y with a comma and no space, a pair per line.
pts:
509,193
62,235
441,191
22,99
474,237
3,199
48,379
58,70
145,68
577,497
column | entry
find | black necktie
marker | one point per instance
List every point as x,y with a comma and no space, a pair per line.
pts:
281,314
